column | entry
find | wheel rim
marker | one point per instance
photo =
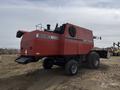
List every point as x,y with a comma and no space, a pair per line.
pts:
96,62
74,68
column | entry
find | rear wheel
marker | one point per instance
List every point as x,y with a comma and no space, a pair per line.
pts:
71,67
93,60
47,63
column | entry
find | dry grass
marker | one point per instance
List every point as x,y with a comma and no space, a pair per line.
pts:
15,76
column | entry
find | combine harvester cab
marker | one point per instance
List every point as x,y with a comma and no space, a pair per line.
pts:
68,46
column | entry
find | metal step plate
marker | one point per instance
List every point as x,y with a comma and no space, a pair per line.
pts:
24,60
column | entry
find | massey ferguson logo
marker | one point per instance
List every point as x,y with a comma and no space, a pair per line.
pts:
45,36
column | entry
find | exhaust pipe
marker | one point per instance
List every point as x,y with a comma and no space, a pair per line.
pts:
48,27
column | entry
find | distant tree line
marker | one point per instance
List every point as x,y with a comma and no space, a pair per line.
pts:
8,51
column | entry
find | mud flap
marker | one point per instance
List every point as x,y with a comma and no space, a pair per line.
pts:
24,60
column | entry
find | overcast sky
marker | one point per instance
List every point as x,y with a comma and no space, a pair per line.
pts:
101,16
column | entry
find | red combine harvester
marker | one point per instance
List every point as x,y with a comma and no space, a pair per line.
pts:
68,46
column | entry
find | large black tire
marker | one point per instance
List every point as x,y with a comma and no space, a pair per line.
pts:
47,63
71,67
93,60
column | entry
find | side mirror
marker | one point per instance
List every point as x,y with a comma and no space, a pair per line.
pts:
95,37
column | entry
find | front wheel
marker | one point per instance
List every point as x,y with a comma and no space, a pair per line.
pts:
93,60
71,67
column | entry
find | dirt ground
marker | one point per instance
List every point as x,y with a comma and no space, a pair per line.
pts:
14,76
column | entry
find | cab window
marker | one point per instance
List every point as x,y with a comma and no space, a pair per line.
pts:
72,31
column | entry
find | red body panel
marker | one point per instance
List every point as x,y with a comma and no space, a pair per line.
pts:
81,44
42,43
